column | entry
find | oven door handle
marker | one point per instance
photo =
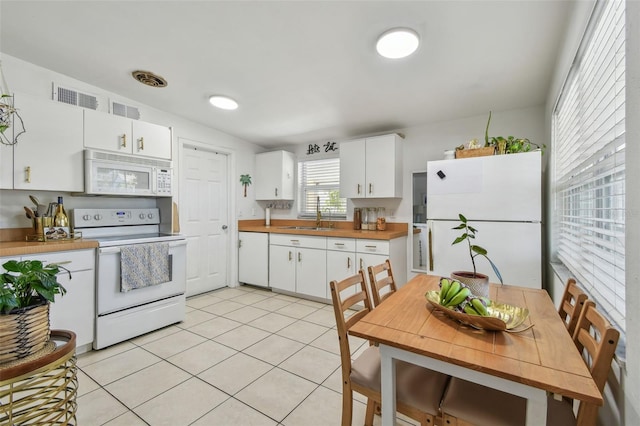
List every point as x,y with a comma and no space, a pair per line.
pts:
110,250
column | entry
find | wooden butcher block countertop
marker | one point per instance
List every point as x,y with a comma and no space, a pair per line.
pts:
12,243
338,230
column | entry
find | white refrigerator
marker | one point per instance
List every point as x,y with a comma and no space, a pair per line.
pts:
501,196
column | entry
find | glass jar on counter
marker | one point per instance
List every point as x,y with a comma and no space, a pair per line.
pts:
372,218
381,222
357,218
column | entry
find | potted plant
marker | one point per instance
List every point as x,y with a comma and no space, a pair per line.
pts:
477,282
26,289
510,144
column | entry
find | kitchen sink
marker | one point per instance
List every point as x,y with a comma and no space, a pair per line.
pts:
306,228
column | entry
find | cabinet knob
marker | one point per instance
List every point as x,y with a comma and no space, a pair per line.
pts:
27,174
358,189
289,255
141,144
276,192
370,188
299,257
348,263
124,140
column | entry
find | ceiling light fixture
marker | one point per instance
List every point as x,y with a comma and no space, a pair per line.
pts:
223,102
398,43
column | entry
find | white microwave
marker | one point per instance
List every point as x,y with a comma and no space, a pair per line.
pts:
108,173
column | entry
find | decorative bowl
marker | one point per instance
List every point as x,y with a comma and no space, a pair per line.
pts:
502,317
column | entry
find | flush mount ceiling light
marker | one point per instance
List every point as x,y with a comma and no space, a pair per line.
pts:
223,102
398,43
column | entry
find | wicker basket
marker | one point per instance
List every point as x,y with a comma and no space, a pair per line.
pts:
477,152
23,331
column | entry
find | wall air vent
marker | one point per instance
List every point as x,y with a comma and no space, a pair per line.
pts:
74,97
125,110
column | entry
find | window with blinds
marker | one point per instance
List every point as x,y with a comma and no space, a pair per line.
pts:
319,185
589,162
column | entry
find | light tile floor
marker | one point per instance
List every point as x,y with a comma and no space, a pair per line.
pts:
242,357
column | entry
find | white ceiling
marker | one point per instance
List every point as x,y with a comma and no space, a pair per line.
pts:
302,71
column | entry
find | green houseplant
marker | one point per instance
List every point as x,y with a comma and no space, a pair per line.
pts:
510,144
477,282
26,289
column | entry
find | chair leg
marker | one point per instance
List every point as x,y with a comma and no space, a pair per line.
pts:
347,406
371,408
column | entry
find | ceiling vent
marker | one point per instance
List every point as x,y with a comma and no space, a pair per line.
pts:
125,110
149,78
74,97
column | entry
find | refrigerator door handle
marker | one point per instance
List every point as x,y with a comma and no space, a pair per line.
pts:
430,237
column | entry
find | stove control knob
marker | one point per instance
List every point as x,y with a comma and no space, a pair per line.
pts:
86,217
150,215
97,217
142,216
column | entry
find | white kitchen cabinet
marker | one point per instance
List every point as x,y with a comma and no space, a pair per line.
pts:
341,261
49,155
282,268
75,310
298,263
371,167
253,258
274,175
121,134
375,252
6,166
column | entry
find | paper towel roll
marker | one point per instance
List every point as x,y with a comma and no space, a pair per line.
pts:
267,217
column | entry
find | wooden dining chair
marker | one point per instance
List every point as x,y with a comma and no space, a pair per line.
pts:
418,390
571,304
468,403
382,283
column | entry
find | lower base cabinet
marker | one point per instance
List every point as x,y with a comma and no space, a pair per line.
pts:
253,258
298,264
75,310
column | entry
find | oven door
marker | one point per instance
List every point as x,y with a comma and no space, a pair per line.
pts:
111,299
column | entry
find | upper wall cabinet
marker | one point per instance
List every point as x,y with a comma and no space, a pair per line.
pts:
371,167
49,155
274,175
120,134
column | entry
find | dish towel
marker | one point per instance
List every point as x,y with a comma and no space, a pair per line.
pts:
144,265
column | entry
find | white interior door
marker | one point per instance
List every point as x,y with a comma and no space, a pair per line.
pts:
205,213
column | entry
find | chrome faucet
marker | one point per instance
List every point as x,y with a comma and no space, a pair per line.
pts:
318,214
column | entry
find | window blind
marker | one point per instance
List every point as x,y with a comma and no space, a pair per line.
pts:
589,162
320,178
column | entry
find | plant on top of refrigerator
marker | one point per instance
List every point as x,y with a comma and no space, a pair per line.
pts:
474,250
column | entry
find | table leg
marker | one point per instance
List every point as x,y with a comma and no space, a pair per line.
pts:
388,386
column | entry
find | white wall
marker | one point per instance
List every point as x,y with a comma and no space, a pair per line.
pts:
622,395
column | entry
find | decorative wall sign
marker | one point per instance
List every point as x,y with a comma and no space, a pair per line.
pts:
329,146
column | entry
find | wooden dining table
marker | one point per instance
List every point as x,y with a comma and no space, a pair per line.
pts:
539,360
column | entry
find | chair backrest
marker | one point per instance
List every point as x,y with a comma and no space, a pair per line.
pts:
571,304
345,294
378,283
596,340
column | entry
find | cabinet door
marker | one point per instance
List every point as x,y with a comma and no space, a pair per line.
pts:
253,258
311,272
282,268
274,176
108,132
352,169
75,310
6,166
340,265
151,140
382,168
49,156
364,260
